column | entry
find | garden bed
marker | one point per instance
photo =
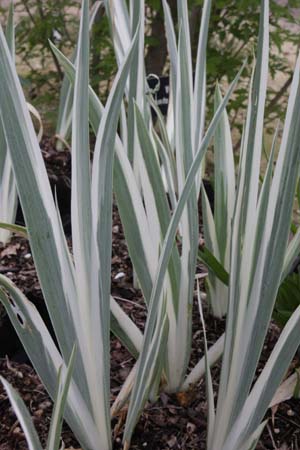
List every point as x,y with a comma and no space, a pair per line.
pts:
173,421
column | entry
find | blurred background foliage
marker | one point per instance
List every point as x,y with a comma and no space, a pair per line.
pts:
232,37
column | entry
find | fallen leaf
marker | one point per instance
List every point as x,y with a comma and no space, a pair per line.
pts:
285,390
185,398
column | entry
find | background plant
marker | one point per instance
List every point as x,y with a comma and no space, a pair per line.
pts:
39,21
232,35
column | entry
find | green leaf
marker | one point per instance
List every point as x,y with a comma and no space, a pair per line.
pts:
288,299
292,252
213,264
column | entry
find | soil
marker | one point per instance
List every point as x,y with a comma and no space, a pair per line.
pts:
173,421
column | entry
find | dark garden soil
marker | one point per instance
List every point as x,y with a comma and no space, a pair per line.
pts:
173,421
